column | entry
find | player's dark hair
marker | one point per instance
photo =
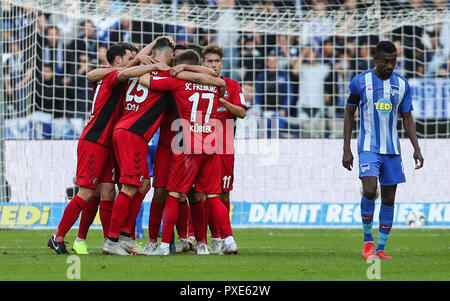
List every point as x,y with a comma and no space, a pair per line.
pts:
197,48
212,48
129,46
114,51
189,57
386,47
180,47
163,43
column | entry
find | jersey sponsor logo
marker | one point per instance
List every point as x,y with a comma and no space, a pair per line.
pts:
221,109
383,106
365,167
199,87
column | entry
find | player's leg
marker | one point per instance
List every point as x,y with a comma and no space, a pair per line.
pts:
156,214
126,232
211,186
197,203
170,217
180,180
391,174
386,218
161,169
91,158
182,226
130,151
369,169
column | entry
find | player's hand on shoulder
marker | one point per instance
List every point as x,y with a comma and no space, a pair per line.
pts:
176,69
147,60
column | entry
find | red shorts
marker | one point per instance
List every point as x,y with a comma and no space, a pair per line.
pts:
202,170
95,164
161,167
227,177
131,152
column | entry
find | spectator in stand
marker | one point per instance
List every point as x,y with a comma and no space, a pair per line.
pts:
311,99
227,37
144,32
122,32
314,31
67,25
49,92
271,93
251,60
17,75
53,53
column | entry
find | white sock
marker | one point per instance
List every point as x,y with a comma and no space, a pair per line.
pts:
229,240
216,239
79,239
164,245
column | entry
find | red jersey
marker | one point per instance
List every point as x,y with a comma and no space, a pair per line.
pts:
106,106
233,95
143,108
196,105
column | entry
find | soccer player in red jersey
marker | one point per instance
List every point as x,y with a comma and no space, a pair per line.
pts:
195,73
194,159
107,193
96,162
231,106
143,111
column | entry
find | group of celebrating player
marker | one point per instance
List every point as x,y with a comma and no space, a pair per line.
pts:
178,90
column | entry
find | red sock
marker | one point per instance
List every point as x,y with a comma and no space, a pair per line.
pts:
133,230
154,221
119,214
190,224
214,228
198,213
133,211
170,217
70,216
182,223
220,213
87,217
106,208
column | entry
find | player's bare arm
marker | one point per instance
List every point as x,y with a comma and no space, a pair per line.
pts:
97,74
193,68
349,118
140,70
410,129
235,110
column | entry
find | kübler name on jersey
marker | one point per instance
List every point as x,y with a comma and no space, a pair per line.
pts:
200,87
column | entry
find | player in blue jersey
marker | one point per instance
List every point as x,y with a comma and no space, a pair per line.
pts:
380,94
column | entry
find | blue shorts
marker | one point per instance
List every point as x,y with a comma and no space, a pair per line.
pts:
388,168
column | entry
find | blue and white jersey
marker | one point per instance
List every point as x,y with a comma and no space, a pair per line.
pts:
381,102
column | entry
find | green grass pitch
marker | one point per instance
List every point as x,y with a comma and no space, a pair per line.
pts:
264,255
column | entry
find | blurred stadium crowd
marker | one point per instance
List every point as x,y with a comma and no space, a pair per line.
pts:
298,81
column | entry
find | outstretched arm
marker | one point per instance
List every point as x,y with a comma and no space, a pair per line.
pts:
140,70
410,129
97,74
235,110
193,68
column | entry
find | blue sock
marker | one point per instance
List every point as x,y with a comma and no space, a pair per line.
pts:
386,219
367,209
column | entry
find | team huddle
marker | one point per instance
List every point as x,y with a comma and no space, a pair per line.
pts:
178,90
